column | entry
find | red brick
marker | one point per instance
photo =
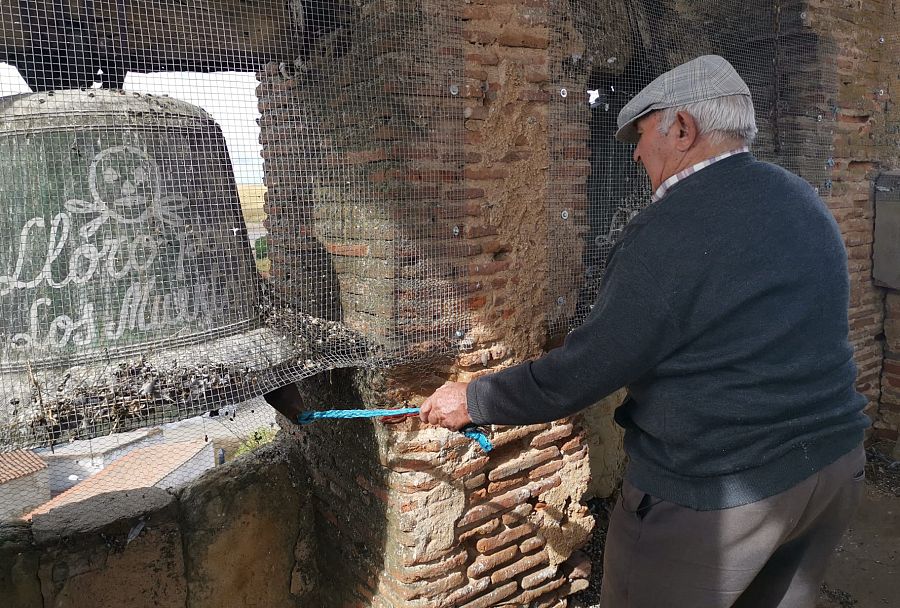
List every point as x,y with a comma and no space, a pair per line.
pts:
552,435
365,156
546,470
509,435
522,462
418,446
482,530
476,481
497,504
487,563
483,57
412,482
372,488
474,232
538,488
487,268
572,444
411,574
520,567
887,380
347,249
580,564
476,303
493,597
473,466
509,535
533,40
529,597
538,578
578,454
480,37
532,544
497,487
471,589
517,515
536,75
471,91
473,137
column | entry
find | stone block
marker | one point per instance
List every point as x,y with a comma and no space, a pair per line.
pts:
108,569
241,526
111,510
19,562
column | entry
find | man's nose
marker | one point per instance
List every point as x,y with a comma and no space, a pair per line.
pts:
636,155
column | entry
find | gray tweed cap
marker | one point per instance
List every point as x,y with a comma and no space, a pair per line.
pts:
703,78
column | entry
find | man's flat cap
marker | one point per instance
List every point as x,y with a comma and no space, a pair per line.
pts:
706,77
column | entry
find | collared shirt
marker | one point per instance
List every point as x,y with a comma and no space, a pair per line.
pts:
664,187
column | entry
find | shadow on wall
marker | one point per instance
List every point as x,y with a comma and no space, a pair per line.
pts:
348,485
242,535
605,442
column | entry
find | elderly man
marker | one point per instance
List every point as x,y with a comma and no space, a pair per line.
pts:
724,313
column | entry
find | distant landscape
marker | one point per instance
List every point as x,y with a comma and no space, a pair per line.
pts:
252,197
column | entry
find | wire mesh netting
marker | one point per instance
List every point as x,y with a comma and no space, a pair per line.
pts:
205,201
604,52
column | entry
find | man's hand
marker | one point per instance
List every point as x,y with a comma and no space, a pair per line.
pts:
447,407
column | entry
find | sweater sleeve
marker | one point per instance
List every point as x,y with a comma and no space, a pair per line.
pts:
630,329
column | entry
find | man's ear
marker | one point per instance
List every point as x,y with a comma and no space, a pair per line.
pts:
687,131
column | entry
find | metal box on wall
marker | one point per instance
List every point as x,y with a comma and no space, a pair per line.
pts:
886,254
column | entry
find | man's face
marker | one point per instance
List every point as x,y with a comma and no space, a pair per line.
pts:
657,152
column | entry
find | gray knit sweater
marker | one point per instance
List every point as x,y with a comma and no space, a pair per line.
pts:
724,312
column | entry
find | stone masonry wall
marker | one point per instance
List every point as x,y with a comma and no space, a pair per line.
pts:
238,536
866,37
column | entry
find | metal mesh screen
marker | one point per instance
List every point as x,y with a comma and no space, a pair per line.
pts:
605,52
201,202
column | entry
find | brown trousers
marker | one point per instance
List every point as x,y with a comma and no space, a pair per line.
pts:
767,554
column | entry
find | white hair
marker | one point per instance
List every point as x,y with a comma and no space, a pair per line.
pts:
718,119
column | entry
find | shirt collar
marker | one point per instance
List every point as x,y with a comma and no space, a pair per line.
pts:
666,185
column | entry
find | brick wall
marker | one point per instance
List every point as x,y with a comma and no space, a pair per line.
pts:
866,38
411,516
421,517
362,146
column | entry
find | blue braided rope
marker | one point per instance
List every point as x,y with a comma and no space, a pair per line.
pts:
307,417
480,437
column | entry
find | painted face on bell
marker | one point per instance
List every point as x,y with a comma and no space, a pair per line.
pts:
126,180
655,151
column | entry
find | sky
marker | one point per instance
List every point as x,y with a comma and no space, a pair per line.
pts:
229,97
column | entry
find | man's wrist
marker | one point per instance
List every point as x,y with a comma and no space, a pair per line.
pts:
473,405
